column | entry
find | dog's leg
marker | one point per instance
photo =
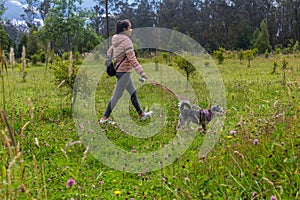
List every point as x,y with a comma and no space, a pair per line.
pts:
188,124
204,127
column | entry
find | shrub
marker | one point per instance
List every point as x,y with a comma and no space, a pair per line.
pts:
241,55
267,54
43,57
66,56
34,59
60,70
278,51
219,55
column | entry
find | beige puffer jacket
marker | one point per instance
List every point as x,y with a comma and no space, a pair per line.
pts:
122,46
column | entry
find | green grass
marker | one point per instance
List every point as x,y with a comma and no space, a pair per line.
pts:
267,110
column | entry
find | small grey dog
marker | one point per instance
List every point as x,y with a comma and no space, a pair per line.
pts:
197,116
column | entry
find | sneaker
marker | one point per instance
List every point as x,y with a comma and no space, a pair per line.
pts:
145,115
106,120
103,120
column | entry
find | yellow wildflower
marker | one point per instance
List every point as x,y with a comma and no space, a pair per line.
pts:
117,192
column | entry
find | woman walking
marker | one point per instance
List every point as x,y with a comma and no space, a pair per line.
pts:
122,53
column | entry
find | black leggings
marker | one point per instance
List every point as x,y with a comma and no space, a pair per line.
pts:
124,82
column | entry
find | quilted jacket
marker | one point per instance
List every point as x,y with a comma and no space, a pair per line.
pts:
122,46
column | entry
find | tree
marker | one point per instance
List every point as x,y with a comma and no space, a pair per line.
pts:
30,13
4,38
249,55
64,25
219,54
263,40
44,9
97,18
22,42
186,66
32,43
2,9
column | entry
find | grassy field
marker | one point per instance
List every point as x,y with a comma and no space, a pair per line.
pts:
256,156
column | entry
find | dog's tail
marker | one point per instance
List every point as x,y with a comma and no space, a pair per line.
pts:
183,104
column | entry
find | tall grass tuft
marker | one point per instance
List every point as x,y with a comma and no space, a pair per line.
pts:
48,54
71,64
4,61
9,127
23,63
3,64
12,59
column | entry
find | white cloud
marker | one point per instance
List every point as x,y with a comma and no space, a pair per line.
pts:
16,3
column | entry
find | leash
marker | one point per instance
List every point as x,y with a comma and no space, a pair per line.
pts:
167,89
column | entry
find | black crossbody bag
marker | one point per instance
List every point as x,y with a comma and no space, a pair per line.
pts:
110,68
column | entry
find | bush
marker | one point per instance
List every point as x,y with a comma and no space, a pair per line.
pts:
42,57
34,59
278,51
219,54
267,54
60,70
66,56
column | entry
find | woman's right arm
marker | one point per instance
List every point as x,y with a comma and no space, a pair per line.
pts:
109,52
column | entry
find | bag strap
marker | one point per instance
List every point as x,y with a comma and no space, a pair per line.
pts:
123,58
120,63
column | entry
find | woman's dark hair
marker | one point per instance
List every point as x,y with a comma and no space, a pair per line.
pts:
121,24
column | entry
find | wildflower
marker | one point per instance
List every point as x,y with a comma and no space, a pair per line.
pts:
101,182
233,132
239,124
163,178
186,179
70,182
49,179
133,151
254,194
139,175
273,198
117,192
255,141
229,136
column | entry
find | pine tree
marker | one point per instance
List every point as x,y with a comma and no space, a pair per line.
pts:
263,40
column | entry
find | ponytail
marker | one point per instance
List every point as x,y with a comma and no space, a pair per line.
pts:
121,24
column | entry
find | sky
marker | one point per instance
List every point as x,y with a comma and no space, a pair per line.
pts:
14,8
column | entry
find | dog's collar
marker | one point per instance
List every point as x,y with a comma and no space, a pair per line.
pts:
207,114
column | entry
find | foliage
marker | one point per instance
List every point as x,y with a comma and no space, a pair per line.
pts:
185,65
4,38
60,70
296,47
219,55
249,55
68,21
42,57
35,59
2,8
32,42
241,55
267,54
23,42
263,40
